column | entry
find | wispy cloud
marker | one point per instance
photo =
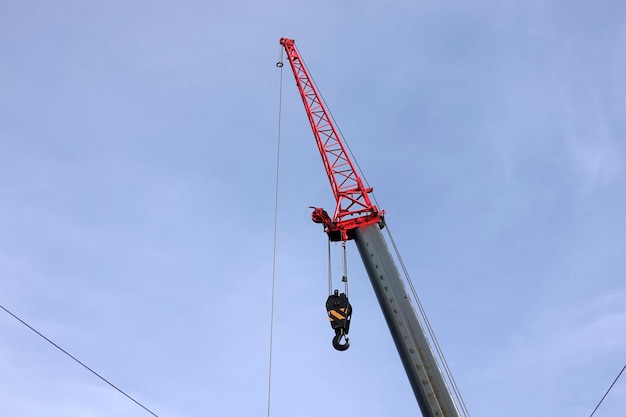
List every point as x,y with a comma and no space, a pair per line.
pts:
589,138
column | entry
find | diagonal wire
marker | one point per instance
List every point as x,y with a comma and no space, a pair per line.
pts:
78,361
607,391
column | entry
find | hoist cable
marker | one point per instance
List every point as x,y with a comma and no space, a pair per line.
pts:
433,337
341,136
344,269
344,262
345,142
330,271
79,362
607,392
279,64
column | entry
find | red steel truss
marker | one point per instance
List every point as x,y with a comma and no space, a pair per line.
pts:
354,208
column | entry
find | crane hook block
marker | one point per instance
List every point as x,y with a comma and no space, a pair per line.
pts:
339,313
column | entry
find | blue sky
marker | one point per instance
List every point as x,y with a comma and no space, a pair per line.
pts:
139,144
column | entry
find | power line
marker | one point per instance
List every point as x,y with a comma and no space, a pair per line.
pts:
607,391
78,361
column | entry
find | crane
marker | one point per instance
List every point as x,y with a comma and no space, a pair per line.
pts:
355,217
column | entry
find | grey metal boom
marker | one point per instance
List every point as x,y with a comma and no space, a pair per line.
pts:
431,391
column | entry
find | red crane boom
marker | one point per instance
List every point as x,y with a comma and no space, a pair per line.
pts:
354,207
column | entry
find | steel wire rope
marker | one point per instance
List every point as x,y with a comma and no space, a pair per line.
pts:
343,140
341,136
431,332
344,261
279,65
330,271
607,391
78,361
344,269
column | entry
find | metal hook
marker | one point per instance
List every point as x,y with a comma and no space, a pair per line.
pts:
337,341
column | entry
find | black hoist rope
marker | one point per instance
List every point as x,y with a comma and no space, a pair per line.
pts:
330,270
344,268
344,262
79,362
607,392
337,305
